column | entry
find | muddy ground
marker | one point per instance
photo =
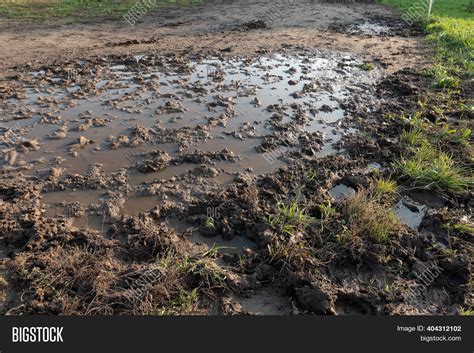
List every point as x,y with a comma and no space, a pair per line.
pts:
144,167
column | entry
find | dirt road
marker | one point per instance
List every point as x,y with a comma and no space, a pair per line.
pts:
217,24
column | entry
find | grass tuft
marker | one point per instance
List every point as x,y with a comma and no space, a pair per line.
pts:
464,228
366,66
466,312
413,137
429,168
385,187
455,136
290,218
365,216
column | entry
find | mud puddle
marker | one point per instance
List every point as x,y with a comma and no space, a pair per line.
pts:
189,156
410,212
151,120
341,192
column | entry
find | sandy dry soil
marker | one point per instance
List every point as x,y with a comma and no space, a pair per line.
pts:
146,167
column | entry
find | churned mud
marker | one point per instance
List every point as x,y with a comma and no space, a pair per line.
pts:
144,168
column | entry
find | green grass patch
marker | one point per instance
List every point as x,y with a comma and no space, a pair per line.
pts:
460,136
366,66
413,137
451,30
366,216
429,168
385,187
289,217
464,228
453,8
68,8
41,10
454,41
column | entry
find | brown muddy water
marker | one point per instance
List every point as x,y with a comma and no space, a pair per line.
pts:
166,123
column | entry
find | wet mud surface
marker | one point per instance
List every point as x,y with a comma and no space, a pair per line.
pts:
147,156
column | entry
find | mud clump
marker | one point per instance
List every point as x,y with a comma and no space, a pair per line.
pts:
315,300
158,160
253,25
144,239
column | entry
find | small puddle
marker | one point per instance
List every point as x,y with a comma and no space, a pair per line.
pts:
341,192
138,204
410,212
235,245
90,203
56,200
369,28
232,101
119,113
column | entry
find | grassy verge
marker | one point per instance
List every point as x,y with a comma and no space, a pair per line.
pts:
433,169
451,30
41,10
438,152
53,9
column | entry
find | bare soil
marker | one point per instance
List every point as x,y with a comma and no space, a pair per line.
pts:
217,25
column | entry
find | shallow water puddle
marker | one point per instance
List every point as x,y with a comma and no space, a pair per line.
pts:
341,192
76,206
119,114
410,212
370,28
235,245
